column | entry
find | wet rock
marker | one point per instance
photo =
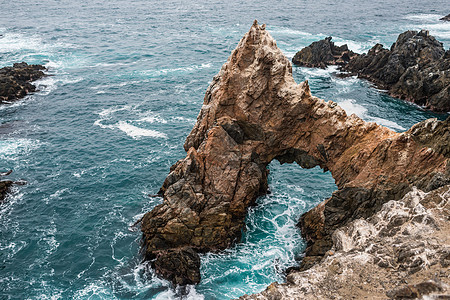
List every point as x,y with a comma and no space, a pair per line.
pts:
416,68
322,53
254,112
181,266
5,185
446,18
15,81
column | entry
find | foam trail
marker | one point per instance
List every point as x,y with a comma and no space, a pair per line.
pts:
136,132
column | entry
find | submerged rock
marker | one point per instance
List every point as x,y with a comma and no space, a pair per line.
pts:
253,113
15,80
323,53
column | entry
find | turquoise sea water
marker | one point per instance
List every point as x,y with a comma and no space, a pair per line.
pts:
128,81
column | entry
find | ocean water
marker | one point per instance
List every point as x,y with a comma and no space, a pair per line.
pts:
128,79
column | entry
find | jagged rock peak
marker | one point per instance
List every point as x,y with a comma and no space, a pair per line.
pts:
256,62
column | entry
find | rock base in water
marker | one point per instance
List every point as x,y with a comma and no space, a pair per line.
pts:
15,80
323,53
5,185
416,68
446,18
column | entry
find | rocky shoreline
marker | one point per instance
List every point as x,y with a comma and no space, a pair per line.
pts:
15,81
253,113
401,252
416,68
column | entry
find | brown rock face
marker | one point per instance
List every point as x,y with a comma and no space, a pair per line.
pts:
254,112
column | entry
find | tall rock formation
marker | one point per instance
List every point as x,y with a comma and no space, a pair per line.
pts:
253,113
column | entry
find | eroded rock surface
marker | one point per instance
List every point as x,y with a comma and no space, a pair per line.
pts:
416,68
322,53
401,252
254,112
15,81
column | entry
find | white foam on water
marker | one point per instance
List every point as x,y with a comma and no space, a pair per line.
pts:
13,248
162,72
48,84
358,47
12,42
275,30
117,85
184,120
431,22
387,123
50,239
423,17
317,72
94,290
136,132
131,130
108,111
56,195
351,107
440,31
10,149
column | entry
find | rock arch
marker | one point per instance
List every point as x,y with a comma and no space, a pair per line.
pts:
254,112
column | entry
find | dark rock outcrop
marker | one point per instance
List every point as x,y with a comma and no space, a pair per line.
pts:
446,18
416,68
15,81
5,185
323,53
253,113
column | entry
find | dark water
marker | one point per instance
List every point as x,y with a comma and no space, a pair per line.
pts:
129,79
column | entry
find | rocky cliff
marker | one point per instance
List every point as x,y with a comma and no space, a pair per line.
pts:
253,113
15,81
416,67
